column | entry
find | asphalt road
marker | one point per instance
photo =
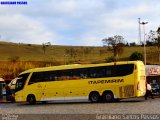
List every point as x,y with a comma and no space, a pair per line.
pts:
127,106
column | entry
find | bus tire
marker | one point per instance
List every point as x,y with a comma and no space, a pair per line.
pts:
31,99
94,97
108,96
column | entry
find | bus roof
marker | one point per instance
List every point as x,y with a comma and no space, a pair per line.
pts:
74,66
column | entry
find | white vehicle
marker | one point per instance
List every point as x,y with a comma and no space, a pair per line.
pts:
12,84
11,90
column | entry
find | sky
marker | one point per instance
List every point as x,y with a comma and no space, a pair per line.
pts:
76,22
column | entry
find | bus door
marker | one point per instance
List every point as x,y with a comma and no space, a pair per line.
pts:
36,85
20,84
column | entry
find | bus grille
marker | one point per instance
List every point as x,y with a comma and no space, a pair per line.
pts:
127,90
120,92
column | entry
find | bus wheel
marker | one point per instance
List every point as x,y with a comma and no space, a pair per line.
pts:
31,99
94,97
107,96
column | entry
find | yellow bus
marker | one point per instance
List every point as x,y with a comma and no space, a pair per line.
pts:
94,82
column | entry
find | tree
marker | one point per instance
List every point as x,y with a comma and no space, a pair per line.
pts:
71,52
44,48
14,58
110,59
132,44
136,56
115,44
158,38
154,36
158,42
45,45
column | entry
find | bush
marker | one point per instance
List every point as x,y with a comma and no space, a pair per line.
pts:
136,56
110,59
14,58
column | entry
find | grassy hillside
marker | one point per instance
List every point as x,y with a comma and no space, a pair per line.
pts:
15,58
28,52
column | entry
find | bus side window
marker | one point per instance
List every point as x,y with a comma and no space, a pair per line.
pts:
108,72
92,72
122,70
49,76
80,73
101,72
36,77
65,74
85,73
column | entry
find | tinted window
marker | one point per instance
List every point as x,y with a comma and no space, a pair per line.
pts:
21,81
105,71
80,73
96,72
42,77
122,70
49,76
63,75
83,73
36,77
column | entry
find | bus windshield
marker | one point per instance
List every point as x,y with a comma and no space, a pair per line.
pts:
21,81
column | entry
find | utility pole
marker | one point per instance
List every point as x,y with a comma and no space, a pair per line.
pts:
144,23
139,33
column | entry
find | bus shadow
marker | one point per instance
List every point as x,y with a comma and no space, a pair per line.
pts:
77,103
54,103
132,100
